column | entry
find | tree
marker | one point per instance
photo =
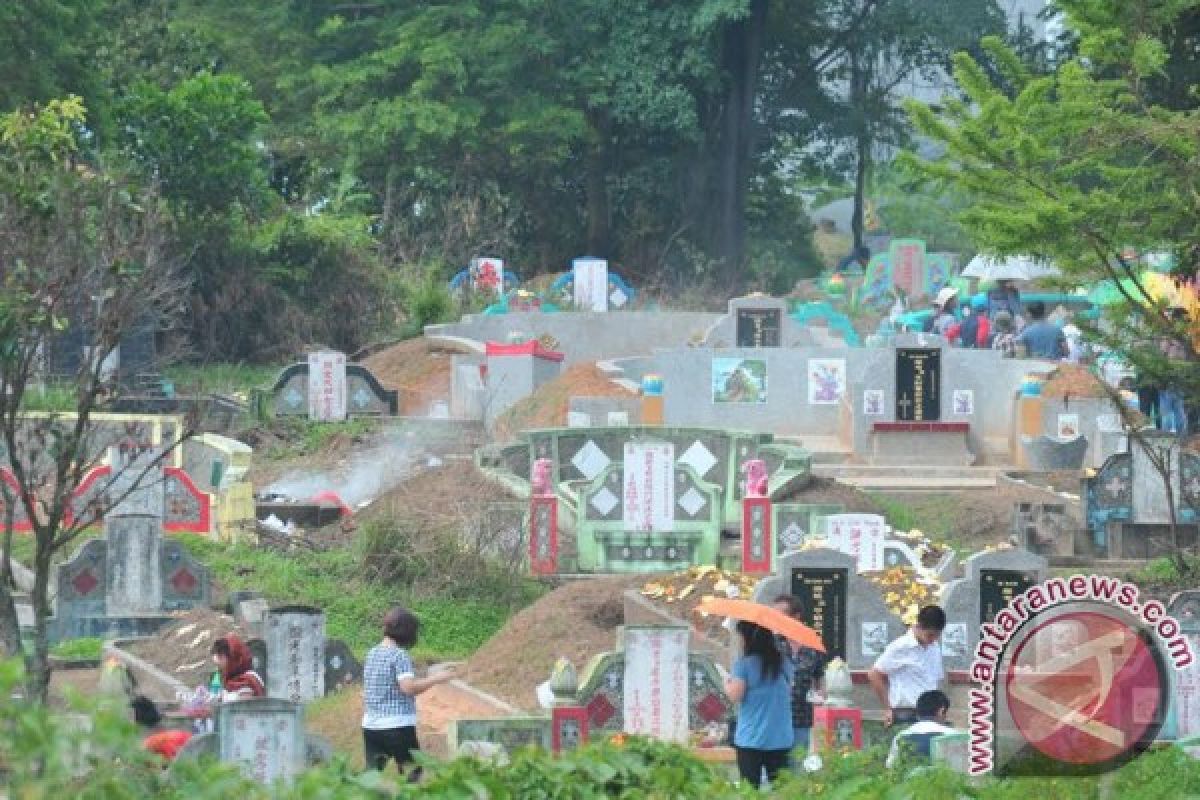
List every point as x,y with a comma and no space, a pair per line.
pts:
1083,167
82,251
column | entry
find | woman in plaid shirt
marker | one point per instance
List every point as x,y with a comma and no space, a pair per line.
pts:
390,688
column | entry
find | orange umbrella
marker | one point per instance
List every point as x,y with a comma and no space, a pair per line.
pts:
765,616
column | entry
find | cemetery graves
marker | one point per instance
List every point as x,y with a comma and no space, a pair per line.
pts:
650,685
327,387
1125,502
125,583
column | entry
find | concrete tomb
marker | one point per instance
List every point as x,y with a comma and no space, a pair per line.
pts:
320,389
992,579
1125,502
846,609
126,583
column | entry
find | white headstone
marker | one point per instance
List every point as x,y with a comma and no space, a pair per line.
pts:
618,419
134,581
264,737
327,386
656,682
578,419
295,638
1187,694
649,487
590,283
487,275
858,535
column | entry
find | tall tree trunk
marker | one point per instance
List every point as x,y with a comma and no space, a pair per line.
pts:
599,215
37,663
743,44
862,145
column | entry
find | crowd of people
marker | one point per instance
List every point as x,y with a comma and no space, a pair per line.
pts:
775,683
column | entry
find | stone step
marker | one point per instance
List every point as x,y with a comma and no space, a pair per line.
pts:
910,478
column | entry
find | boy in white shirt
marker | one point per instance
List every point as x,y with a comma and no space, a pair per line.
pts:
915,741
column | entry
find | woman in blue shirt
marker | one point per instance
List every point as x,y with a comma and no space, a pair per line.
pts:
761,687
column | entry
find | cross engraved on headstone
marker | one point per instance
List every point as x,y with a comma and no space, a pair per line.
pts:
904,403
1115,485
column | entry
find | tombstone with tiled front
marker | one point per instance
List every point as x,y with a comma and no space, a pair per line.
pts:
706,488
796,523
1126,507
602,693
365,396
126,583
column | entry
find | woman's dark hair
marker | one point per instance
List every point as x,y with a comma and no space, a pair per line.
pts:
401,626
145,713
758,641
792,602
221,648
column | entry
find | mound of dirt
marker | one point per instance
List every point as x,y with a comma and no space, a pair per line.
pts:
452,489
184,648
1074,381
419,368
575,621
827,490
547,407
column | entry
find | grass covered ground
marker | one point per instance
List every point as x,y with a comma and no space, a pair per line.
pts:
453,626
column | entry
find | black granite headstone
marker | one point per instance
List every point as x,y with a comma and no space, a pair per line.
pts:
918,384
759,327
822,596
997,587
341,667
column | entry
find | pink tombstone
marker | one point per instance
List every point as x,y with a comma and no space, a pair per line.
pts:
541,477
756,477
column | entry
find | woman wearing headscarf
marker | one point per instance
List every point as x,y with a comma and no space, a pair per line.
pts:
236,665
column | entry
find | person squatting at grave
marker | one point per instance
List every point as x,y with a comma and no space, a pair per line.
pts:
910,666
390,688
761,686
236,665
913,744
808,674
165,742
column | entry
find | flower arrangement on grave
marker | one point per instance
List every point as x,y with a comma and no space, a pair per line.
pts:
905,591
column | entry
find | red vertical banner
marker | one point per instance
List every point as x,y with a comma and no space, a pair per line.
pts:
758,542
543,535
568,728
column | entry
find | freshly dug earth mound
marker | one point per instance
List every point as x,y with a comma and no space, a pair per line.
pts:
1074,381
547,407
419,368
183,649
575,621
821,490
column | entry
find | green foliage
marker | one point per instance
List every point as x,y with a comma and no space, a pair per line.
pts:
427,300
452,626
86,649
1080,165
233,379
51,397
304,437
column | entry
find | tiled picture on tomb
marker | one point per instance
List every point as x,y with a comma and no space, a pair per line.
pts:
873,402
874,638
826,381
954,640
1068,426
963,401
739,380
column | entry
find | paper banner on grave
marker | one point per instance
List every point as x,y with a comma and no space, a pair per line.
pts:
858,535
656,683
590,284
487,275
327,386
649,487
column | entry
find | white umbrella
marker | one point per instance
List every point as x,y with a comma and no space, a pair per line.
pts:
1009,268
